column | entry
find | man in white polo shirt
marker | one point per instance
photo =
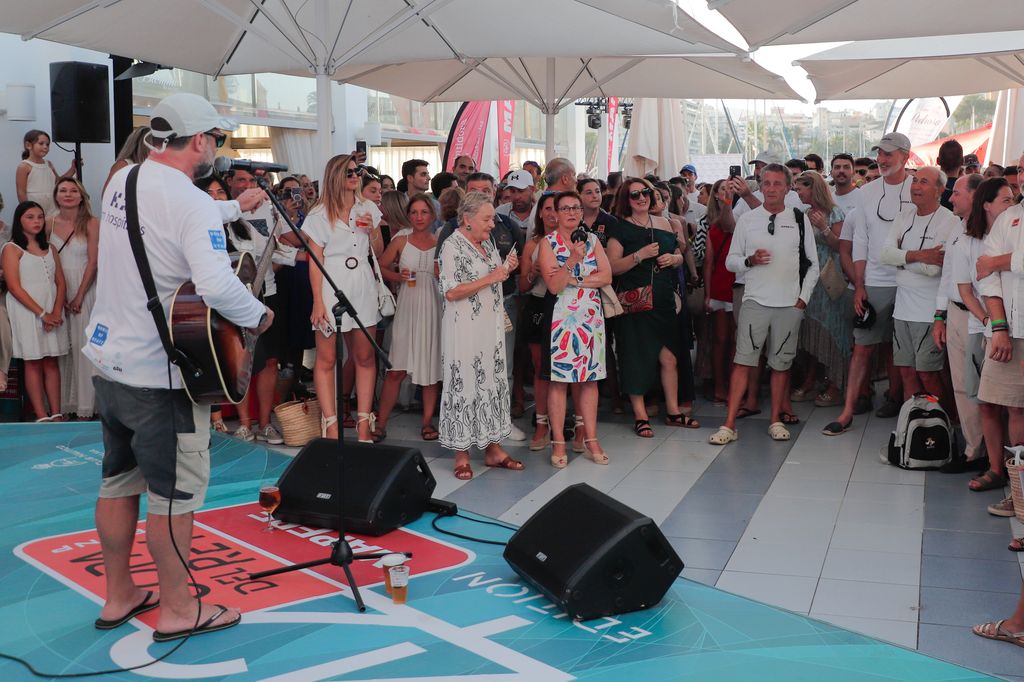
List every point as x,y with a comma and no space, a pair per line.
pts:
154,438
878,205
766,247
916,248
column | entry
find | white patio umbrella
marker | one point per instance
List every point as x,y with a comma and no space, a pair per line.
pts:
657,138
550,84
321,37
1007,142
789,22
918,67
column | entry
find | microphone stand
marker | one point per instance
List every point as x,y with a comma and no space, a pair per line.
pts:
341,551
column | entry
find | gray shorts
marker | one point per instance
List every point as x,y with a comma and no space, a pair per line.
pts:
154,439
913,346
737,301
883,299
780,327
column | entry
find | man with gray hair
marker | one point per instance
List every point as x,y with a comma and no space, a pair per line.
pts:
916,248
560,175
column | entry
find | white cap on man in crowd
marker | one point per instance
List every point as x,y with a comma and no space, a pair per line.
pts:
184,114
762,159
890,142
519,179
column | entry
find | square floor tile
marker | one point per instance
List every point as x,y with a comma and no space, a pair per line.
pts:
882,513
784,591
674,482
873,537
702,575
704,526
756,556
812,531
889,493
700,499
800,487
875,567
807,469
966,544
968,516
657,504
787,509
959,645
703,553
894,631
971,574
865,600
943,606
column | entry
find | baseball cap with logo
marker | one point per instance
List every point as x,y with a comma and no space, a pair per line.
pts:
688,168
971,160
184,114
890,142
519,179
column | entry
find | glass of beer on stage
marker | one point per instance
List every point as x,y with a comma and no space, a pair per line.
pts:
389,562
270,498
399,583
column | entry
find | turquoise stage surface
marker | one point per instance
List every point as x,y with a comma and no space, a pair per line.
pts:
469,616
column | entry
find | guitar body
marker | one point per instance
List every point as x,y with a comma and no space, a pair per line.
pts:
222,350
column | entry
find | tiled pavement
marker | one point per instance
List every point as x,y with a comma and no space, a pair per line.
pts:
815,525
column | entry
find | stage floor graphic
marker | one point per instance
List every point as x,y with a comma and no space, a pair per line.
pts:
469,617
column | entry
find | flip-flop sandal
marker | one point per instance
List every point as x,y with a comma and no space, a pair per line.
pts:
642,428
837,428
429,433
464,472
788,418
745,412
682,420
144,605
1016,545
508,463
204,627
989,480
997,632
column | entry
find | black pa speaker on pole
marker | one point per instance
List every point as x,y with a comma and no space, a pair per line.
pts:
593,555
79,102
385,486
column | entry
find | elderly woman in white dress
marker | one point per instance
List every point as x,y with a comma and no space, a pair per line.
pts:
475,397
342,228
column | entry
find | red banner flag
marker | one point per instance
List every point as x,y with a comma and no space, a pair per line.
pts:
467,134
613,113
506,116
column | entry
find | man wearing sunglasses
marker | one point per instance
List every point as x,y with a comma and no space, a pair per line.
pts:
155,440
766,249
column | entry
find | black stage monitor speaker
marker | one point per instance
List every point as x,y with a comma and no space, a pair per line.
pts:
593,555
385,487
79,102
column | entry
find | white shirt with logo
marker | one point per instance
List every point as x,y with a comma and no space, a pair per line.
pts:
917,284
1007,236
184,240
879,204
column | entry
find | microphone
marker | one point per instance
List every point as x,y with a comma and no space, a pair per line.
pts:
223,164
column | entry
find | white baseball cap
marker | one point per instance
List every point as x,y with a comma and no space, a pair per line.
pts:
519,179
184,114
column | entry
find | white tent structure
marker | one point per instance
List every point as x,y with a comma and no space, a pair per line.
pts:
918,67
1007,142
657,138
790,22
324,37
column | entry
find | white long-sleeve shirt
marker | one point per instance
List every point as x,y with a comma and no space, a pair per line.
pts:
1007,236
184,240
878,200
776,284
917,284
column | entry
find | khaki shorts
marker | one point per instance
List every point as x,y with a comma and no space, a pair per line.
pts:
913,346
155,440
1002,383
737,301
883,300
780,327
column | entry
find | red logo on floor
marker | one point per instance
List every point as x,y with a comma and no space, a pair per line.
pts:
229,544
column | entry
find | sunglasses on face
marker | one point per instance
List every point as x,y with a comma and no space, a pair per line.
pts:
354,172
861,172
637,193
218,138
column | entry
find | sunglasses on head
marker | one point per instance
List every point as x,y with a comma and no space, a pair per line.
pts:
637,193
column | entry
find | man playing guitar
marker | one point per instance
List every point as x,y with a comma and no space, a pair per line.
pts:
154,438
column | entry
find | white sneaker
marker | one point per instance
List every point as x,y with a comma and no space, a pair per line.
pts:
517,434
244,433
270,434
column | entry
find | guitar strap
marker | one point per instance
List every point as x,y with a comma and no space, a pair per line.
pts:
131,209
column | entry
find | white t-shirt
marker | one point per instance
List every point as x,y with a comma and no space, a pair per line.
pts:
917,284
847,201
792,201
869,238
184,239
961,256
1007,236
695,212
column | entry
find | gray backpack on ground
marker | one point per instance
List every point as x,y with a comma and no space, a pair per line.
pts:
923,438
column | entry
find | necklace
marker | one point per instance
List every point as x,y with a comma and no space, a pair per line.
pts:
924,234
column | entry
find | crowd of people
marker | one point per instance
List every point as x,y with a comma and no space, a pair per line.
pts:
642,289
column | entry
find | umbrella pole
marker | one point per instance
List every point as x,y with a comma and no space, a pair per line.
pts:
324,121
549,114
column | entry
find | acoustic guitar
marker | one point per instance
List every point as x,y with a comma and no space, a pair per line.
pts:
221,351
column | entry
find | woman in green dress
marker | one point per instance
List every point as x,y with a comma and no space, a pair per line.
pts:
643,252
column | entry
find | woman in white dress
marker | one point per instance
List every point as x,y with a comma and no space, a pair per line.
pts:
35,177
75,233
35,304
342,228
416,332
475,398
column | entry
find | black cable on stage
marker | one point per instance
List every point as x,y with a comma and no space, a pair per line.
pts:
188,572
469,537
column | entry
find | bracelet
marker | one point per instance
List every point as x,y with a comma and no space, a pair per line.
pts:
1000,322
1000,329
940,318
636,258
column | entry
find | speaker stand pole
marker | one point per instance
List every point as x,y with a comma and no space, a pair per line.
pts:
341,552
78,161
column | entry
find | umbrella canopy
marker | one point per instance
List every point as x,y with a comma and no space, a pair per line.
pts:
973,141
918,67
1007,129
790,22
322,37
657,138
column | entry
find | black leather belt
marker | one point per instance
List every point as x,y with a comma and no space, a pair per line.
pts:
737,285
960,305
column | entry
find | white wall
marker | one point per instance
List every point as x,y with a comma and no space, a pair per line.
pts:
29,62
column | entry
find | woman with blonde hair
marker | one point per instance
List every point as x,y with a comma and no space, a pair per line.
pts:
393,205
75,233
342,228
132,151
450,200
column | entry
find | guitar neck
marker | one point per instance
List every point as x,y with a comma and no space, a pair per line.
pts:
266,258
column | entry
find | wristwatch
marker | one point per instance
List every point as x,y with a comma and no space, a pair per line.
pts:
746,261
579,280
